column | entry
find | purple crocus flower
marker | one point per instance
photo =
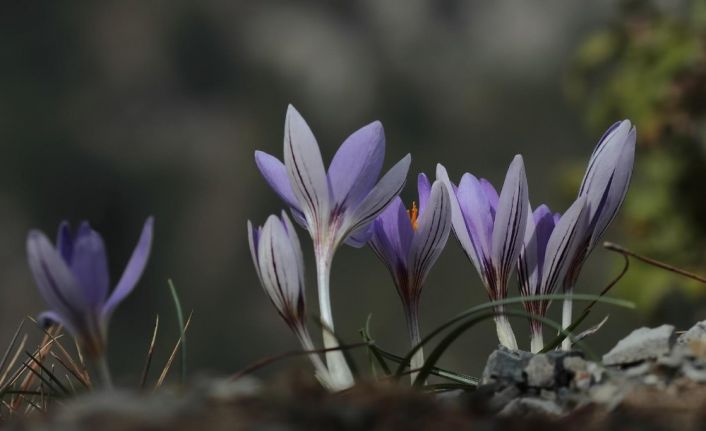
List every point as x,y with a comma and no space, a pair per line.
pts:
490,229
279,264
408,243
550,242
335,206
73,279
604,186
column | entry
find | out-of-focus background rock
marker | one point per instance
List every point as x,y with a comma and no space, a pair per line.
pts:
115,110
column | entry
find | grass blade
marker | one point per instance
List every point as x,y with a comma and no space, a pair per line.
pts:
182,328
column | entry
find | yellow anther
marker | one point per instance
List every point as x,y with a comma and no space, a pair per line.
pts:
413,213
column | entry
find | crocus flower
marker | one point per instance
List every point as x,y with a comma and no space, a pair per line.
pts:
73,279
279,264
408,243
550,242
490,230
334,206
604,186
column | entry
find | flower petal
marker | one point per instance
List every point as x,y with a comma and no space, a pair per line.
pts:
275,173
306,170
431,235
296,246
133,270
544,220
510,222
254,240
48,318
617,189
379,197
527,268
64,241
458,221
563,244
359,237
55,281
423,189
477,213
491,194
356,165
281,274
89,264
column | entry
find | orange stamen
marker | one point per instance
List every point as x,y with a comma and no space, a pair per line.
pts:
413,213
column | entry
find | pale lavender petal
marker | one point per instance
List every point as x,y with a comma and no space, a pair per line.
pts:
602,165
133,270
89,264
279,267
359,237
510,221
64,241
54,279
431,235
527,268
388,253
275,173
392,221
379,197
458,221
544,221
254,241
567,237
477,213
491,194
357,164
306,170
423,189
617,189
295,245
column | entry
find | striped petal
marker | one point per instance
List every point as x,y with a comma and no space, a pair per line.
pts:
431,235
275,173
510,221
305,168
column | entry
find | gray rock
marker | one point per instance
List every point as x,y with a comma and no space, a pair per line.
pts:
696,333
506,366
530,406
692,372
540,372
641,344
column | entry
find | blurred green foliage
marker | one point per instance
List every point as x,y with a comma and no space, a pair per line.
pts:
650,67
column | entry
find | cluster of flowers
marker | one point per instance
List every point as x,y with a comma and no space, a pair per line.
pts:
500,233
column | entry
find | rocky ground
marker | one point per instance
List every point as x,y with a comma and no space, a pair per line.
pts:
654,379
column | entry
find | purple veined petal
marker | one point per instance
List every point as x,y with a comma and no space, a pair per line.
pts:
47,318
510,220
295,245
563,244
431,235
275,173
54,279
133,270
602,165
254,240
423,189
64,241
280,271
617,189
356,165
388,254
458,222
359,237
389,186
527,268
476,211
544,220
491,194
305,168
396,227
89,264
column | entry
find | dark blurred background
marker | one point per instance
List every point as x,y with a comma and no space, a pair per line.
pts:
115,110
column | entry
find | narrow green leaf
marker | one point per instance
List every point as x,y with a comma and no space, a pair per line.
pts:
182,331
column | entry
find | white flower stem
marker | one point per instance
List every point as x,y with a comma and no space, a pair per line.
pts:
566,317
415,338
505,334
339,372
322,373
536,338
